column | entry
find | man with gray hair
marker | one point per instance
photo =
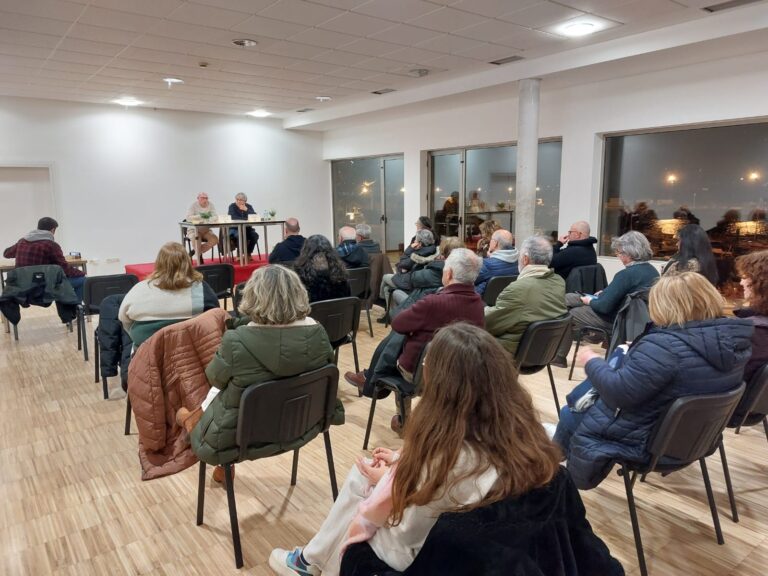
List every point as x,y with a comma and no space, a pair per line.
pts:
364,239
288,250
349,251
414,327
239,210
501,261
537,294
577,248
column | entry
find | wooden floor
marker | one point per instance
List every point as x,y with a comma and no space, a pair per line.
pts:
72,501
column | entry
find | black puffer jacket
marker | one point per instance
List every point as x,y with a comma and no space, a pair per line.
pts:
38,286
114,343
410,263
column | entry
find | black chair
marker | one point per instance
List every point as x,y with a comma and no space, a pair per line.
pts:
753,404
631,320
360,286
95,289
341,318
276,417
586,279
495,287
538,347
690,430
402,389
221,279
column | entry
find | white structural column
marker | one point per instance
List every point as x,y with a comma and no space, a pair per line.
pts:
527,157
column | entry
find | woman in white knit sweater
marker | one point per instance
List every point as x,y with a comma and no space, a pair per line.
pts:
174,291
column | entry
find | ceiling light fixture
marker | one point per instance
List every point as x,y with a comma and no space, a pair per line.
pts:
418,72
259,113
323,98
171,81
128,101
576,29
245,42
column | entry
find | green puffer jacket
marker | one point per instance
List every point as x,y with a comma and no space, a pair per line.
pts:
249,355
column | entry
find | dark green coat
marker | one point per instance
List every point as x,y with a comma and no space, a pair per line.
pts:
249,355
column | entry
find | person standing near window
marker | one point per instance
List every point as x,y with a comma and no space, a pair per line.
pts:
239,210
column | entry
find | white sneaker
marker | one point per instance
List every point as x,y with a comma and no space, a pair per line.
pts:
288,563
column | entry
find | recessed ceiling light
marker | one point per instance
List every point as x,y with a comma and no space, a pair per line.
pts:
245,42
323,98
259,113
576,29
128,101
383,91
581,26
170,81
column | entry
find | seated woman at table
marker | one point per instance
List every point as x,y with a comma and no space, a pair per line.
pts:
239,210
174,291
690,349
322,270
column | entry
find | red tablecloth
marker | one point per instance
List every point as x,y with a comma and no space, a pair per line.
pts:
242,273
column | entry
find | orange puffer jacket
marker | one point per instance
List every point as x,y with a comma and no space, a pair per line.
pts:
168,372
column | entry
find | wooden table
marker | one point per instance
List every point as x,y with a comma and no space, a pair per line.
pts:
242,243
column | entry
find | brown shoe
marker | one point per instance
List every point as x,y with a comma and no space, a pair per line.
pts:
357,379
396,424
188,419
218,473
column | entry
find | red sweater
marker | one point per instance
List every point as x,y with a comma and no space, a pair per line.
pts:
454,303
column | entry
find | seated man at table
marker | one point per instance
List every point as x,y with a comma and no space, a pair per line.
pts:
39,248
353,255
239,210
364,239
288,250
204,209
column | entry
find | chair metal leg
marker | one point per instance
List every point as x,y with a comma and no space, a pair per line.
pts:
368,313
230,483
370,417
80,328
573,360
354,353
69,325
711,498
201,493
96,352
401,405
336,356
16,332
728,485
331,467
85,340
765,426
295,468
554,391
127,415
225,302
624,472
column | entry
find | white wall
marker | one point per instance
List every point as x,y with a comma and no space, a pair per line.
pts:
721,90
25,195
123,178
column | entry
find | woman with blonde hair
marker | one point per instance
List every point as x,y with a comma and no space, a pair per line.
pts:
174,291
275,338
690,349
473,440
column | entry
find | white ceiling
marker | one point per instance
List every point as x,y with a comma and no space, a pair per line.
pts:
99,50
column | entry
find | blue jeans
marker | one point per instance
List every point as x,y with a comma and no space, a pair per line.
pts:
569,420
77,283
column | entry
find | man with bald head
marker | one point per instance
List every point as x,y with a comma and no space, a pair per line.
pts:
574,249
501,260
353,255
288,250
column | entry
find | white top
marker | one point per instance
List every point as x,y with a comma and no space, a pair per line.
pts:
145,301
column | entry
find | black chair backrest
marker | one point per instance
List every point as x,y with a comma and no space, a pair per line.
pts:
631,319
691,427
96,288
360,282
339,317
755,399
495,287
282,411
237,297
586,279
538,346
220,277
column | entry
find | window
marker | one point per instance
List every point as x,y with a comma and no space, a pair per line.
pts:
716,177
471,185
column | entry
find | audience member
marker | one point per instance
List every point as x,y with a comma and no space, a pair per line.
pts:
421,252
39,248
353,255
239,210
174,291
206,210
633,251
414,327
275,339
475,441
290,248
501,260
321,270
487,229
537,294
424,223
691,349
694,254
363,238
574,249
753,269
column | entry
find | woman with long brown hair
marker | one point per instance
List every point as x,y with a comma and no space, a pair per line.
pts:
472,440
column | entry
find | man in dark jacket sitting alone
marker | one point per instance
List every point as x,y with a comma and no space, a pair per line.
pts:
353,255
574,249
501,261
39,248
288,250
364,239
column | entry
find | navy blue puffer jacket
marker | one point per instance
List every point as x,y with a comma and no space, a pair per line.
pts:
665,364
